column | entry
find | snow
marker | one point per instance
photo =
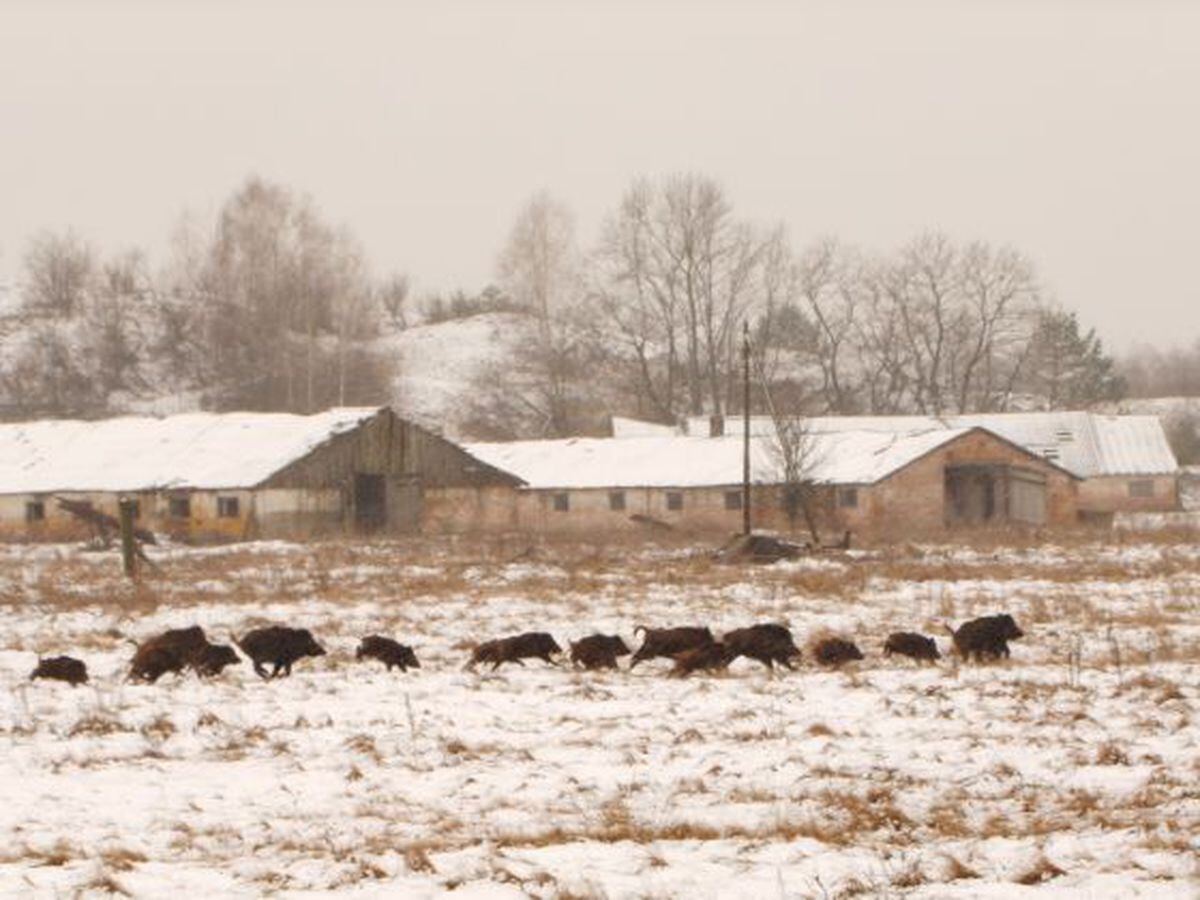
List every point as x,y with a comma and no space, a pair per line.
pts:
842,457
192,450
437,365
1086,444
886,779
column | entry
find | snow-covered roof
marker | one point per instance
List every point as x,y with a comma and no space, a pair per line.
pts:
1086,444
844,457
193,450
623,427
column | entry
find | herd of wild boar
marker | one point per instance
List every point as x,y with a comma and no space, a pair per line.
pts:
691,648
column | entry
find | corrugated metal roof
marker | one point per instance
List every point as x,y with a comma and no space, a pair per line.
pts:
194,450
844,457
1087,444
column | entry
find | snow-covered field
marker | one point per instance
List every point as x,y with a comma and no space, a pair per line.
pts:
1073,770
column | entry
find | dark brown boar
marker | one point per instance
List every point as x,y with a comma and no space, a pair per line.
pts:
913,645
987,636
768,643
387,651
172,651
213,659
598,651
61,668
280,646
668,642
710,657
836,651
531,645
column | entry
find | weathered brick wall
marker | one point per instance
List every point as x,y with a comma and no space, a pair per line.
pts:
1111,494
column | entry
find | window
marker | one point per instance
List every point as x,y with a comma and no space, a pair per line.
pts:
35,511
848,498
227,507
135,506
733,499
180,507
562,502
675,500
1141,488
616,501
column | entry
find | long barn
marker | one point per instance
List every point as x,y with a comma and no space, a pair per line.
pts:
232,476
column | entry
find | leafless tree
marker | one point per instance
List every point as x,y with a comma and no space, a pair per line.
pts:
540,271
58,273
794,452
393,298
278,289
676,272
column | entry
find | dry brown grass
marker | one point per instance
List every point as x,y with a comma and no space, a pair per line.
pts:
1039,872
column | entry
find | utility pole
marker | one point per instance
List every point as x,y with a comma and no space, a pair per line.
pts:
745,427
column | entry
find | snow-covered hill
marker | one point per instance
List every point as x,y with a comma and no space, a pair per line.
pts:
436,365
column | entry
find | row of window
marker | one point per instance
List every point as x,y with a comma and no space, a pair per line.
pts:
847,498
177,508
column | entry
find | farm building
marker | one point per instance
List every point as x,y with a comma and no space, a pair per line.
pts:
1124,463
868,482
232,476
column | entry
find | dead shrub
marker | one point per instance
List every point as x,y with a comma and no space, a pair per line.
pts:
97,724
1039,872
1110,753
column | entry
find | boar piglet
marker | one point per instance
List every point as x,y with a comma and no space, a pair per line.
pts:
598,651
61,668
531,645
836,651
387,651
913,645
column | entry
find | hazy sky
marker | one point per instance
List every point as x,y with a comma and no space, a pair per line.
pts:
1070,129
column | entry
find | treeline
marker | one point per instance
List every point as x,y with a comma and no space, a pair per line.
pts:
266,308
648,322
269,307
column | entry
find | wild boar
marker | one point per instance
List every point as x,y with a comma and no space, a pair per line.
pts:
387,651
213,659
987,636
710,657
172,651
667,642
836,651
598,651
61,668
531,645
913,645
280,646
768,643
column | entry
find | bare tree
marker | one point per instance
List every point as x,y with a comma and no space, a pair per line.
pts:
676,272
539,269
281,295
58,273
393,298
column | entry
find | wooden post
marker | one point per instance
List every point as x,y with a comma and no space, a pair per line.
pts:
128,542
745,427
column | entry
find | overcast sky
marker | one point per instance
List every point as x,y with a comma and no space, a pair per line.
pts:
1067,128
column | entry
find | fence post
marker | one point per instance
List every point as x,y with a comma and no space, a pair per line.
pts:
128,545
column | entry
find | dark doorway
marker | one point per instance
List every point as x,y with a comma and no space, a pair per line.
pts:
983,494
370,502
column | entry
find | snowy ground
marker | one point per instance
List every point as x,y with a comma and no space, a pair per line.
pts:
1072,771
